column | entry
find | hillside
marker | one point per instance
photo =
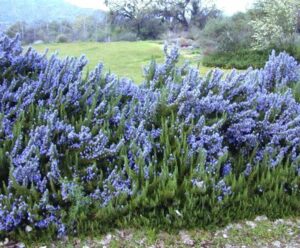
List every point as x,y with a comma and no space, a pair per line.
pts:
37,10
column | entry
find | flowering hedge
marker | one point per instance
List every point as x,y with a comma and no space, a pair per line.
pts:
81,153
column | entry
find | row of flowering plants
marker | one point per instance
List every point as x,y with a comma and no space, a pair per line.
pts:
80,153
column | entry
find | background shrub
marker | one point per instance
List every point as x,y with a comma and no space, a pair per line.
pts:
297,92
227,34
124,35
240,59
62,38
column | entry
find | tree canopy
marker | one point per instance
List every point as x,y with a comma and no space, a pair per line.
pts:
172,12
275,23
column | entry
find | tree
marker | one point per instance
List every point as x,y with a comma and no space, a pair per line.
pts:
227,34
176,11
275,23
16,28
201,13
173,12
129,9
137,14
298,20
187,12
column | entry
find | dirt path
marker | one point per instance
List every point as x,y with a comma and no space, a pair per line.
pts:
257,233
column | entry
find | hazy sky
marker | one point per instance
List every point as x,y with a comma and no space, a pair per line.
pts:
233,6
228,6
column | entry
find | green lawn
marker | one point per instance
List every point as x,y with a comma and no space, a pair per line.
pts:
122,58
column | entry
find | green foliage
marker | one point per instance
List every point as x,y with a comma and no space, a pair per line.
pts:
297,92
169,201
293,49
168,196
226,33
123,36
244,58
240,59
275,23
62,39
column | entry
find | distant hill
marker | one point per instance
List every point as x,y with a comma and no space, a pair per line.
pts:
37,10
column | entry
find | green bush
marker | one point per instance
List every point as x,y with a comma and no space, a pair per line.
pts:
124,36
226,34
86,154
244,58
297,92
293,49
241,59
62,38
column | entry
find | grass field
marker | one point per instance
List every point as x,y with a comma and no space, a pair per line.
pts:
122,58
